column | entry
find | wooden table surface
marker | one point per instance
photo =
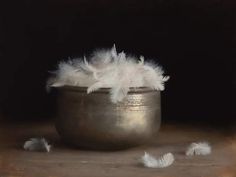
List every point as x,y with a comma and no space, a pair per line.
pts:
64,161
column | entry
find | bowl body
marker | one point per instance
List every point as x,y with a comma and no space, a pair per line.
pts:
92,121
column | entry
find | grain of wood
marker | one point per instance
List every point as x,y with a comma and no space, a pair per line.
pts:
65,161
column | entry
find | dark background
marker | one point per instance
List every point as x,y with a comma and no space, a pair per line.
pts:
194,40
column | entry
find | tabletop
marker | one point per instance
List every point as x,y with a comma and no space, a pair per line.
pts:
66,161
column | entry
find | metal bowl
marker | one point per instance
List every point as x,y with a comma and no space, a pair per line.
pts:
92,121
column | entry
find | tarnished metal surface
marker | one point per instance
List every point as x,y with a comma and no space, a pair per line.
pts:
92,121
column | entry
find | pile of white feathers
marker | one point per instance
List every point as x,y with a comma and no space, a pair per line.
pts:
109,69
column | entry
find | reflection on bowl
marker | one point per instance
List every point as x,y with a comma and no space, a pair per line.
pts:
92,121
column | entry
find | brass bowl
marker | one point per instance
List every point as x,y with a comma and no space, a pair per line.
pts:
92,121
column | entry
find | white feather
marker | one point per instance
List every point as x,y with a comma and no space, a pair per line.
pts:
162,162
37,144
201,148
71,74
109,69
101,58
118,93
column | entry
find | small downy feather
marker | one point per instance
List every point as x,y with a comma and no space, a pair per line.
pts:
37,144
201,148
162,162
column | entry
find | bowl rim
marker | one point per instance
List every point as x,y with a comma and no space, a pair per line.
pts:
105,90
